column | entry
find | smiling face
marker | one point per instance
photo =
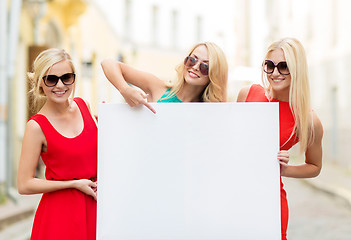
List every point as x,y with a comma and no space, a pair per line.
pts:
280,83
193,75
60,92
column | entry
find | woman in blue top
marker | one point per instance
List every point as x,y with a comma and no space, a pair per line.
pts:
202,77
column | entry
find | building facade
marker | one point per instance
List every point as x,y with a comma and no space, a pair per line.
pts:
81,29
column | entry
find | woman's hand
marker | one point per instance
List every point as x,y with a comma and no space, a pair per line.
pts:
283,157
135,97
86,186
120,74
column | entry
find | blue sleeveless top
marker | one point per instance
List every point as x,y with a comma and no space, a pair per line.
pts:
165,97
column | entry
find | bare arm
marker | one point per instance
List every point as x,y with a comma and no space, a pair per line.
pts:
313,156
120,74
27,183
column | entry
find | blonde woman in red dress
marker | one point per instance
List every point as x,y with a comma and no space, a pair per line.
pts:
285,80
64,134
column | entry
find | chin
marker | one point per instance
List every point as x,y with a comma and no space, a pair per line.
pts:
280,85
196,81
280,88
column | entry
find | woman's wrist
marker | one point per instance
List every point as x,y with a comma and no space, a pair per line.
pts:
124,89
71,184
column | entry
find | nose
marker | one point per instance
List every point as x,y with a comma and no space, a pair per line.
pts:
197,65
275,71
60,83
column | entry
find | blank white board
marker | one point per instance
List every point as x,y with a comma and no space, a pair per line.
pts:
193,171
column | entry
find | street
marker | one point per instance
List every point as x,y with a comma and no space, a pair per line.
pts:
18,231
315,214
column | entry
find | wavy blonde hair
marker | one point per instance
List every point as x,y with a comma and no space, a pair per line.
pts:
299,93
216,90
41,67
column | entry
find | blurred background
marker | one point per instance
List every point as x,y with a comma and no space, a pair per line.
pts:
155,35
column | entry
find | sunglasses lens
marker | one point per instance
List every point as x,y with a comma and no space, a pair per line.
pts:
283,68
204,68
68,78
190,61
269,66
50,80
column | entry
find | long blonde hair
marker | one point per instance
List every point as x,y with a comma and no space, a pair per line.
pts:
299,93
216,90
41,66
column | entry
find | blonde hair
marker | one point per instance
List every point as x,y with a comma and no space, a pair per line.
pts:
216,90
41,66
299,93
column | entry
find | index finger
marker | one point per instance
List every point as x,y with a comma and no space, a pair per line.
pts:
150,107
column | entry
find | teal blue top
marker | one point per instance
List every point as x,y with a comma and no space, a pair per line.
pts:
165,97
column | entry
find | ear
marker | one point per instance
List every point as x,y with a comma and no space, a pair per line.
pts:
41,86
41,91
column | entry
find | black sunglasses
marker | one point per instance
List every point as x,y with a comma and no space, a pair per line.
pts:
66,79
269,66
191,61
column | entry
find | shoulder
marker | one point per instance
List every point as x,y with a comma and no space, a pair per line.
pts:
81,102
32,124
87,105
33,129
243,93
247,92
33,139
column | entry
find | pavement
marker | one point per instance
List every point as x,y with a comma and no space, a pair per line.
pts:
16,217
333,179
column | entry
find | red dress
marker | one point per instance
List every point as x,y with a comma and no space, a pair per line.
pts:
287,122
67,214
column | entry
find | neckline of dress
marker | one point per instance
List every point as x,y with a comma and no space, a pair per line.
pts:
81,113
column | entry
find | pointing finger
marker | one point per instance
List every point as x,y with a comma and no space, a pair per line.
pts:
150,107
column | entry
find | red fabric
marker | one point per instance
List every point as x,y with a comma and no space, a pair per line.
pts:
69,213
286,121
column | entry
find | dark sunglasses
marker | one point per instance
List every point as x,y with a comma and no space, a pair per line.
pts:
269,66
66,79
191,61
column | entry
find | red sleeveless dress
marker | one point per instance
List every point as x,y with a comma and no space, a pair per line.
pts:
67,214
287,122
